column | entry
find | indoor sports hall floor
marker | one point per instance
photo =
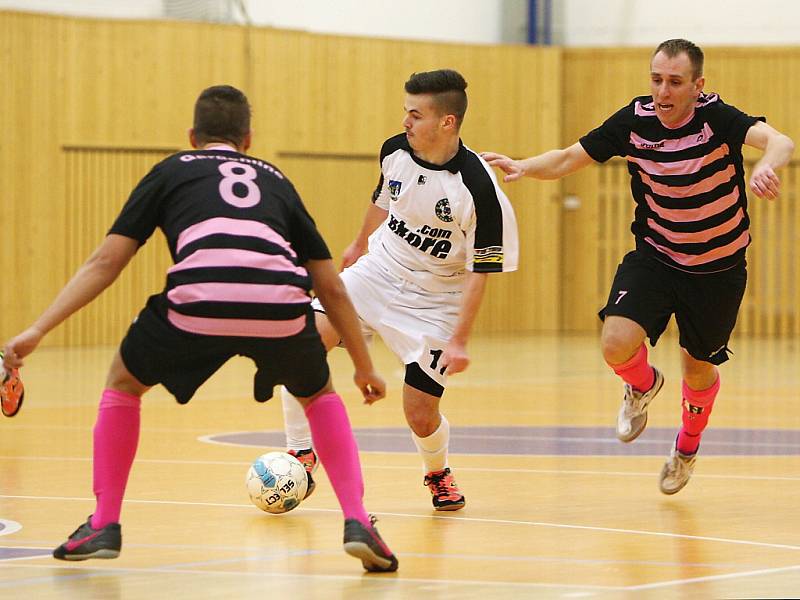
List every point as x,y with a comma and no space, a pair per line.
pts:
556,507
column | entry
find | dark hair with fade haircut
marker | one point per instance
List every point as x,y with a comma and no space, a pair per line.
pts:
673,48
221,113
446,86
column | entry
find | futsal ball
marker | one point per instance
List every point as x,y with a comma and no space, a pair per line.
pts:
277,482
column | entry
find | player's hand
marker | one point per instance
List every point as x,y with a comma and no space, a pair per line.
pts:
351,254
765,183
512,168
454,358
372,386
19,347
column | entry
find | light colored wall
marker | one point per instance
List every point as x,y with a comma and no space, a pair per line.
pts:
705,22
473,21
575,22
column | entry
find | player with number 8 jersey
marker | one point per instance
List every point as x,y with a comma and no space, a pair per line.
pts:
235,272
246,256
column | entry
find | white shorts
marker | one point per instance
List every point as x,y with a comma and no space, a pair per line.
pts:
414,323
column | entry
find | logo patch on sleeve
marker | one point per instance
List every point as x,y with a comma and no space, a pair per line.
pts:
492,254
394,188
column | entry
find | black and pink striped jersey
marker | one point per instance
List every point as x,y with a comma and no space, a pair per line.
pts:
239,236
688,182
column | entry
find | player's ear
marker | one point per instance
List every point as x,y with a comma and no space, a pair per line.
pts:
192,138
247,140
698,84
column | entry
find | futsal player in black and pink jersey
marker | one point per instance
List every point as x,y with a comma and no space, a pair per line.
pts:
684,153
246,256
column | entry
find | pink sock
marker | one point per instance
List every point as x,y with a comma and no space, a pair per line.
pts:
637,372
336,447
697,407
116,436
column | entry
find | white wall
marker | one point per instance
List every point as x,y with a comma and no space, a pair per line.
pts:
468,21
705,22
575,22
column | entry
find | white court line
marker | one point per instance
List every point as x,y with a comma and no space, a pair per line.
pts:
676,582
167,461
681,536
391,579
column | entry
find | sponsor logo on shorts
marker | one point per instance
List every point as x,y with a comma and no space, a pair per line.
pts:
394,188
443,211
433,240
492,254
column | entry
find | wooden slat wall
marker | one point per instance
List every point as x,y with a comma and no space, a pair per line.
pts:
596,236
85,99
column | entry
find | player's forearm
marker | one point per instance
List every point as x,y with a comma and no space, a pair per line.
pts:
99,271
340,312
474,290
778,152
549,165
373,218
339,309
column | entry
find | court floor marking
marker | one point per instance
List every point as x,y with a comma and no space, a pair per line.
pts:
682,536
366,466
708,578
391,579
394,580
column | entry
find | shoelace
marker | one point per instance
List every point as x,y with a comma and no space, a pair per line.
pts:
441,484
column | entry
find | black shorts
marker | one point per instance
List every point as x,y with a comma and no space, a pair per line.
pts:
705,306
155,351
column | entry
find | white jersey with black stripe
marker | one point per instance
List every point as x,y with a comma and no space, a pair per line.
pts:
443,219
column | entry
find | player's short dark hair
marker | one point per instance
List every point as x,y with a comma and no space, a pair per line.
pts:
447,88
221,114
673,48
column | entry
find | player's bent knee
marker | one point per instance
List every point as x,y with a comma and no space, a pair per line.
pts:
420,380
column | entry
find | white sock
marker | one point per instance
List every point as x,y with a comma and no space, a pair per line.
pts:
433,448
298,434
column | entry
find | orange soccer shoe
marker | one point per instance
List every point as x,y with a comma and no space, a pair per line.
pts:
12,392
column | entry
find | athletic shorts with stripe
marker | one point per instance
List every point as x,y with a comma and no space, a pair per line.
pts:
155,351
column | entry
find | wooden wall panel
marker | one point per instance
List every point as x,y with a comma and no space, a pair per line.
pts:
90,97
322,107
97,183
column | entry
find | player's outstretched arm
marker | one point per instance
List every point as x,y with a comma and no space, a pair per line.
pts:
455,357
96,274
372,220
332,294
778,149
553,164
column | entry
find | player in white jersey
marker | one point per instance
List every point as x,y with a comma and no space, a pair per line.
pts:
437,225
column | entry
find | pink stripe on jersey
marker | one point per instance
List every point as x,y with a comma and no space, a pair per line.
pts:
689,141
644,110
679,167
701,187
232,227
698,237
232,257
692,260
237,327
683,215
237,292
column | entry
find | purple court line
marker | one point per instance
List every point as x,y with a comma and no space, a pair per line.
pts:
556,441
10,553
